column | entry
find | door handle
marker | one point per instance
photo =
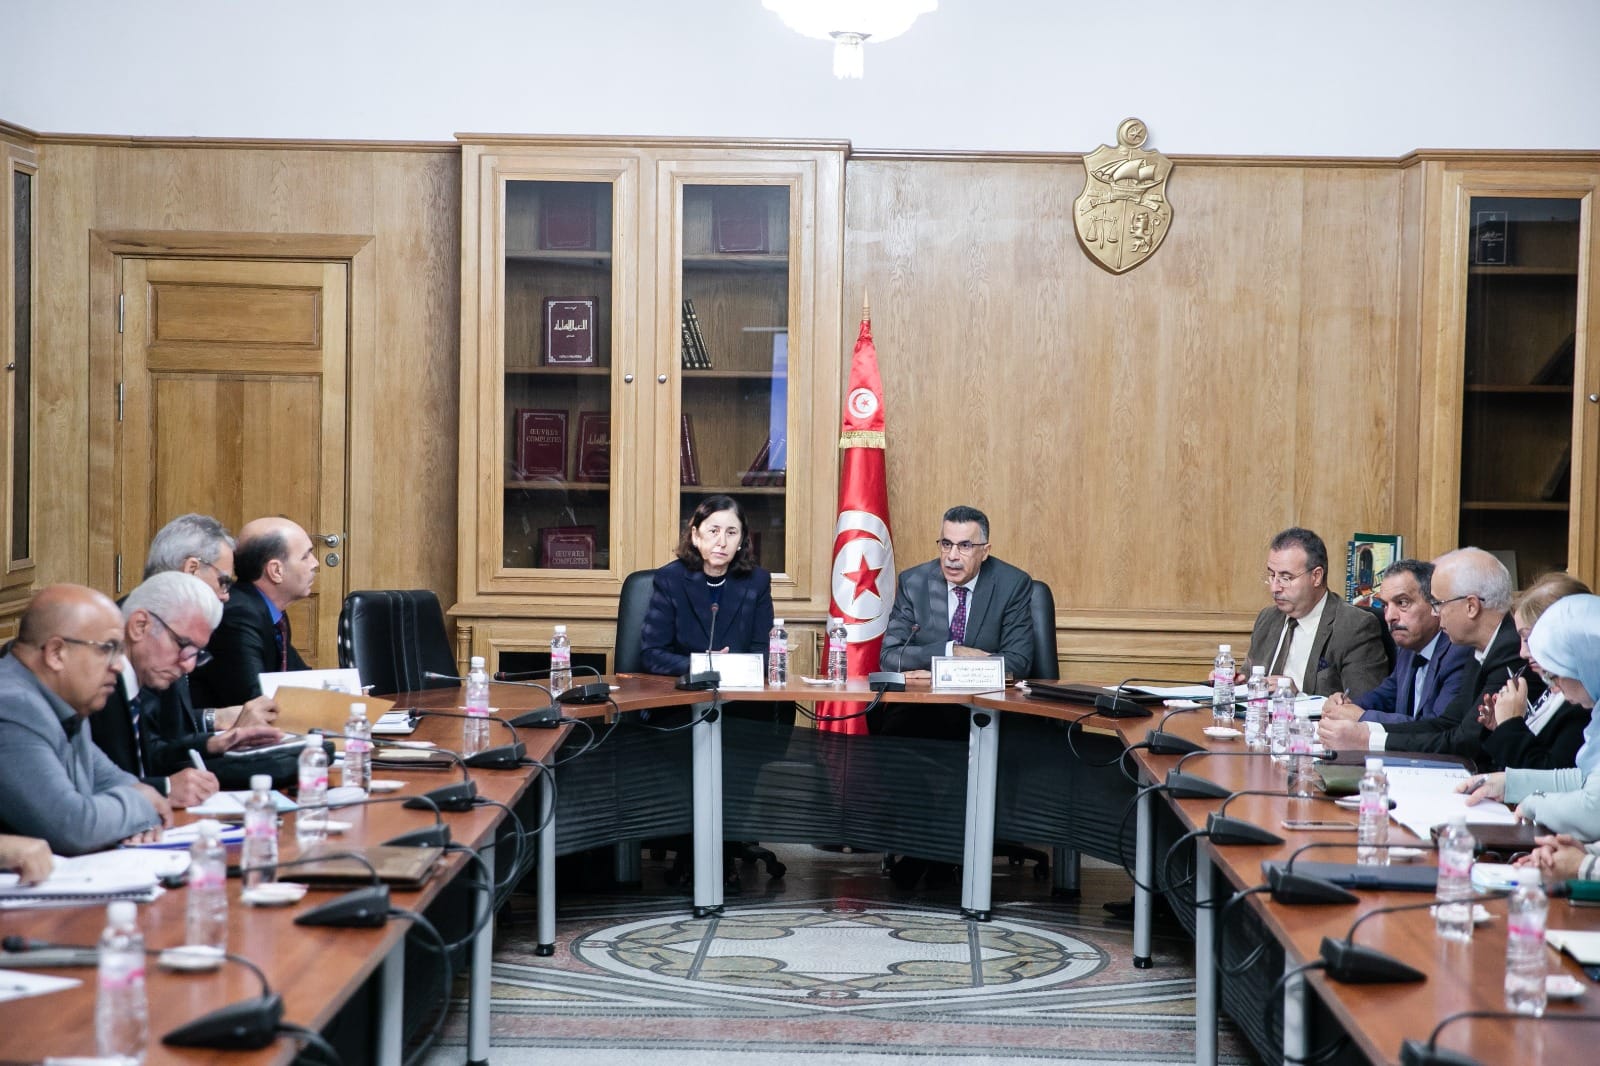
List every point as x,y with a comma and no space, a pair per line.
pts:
332,540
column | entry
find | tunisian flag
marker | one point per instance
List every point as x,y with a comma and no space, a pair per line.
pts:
863,552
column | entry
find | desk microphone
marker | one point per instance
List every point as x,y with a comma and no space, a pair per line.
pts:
366,907
1290,886
542,717
1350,964
893,680
1225,830
1192,786
504,757
436,835
711,634
1417,1053
248,1025
1115,705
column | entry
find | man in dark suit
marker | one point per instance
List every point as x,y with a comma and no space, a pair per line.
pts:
167,621
1472,596
1308,634
1428,671
276,564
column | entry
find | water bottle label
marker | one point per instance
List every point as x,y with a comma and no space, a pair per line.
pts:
357,745
1373,807
836,645
1448,867
1525,931
477,712
560,658
121,973
259,829
1223,678
202,878
316,779
776,646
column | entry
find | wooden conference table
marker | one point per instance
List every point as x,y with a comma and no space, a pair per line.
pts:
316,970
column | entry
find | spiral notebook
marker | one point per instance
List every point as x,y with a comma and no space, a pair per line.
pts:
122,873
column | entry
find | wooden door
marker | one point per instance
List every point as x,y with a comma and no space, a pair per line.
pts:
233,404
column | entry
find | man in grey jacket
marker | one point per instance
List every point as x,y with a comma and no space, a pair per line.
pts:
57,784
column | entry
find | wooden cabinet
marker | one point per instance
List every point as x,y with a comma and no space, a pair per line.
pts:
19,298
622,303
1513,369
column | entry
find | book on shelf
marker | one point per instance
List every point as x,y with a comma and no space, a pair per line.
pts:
702,357
541,443
567,548
770,464
739,221
566,218
1367,556
686,345
594,446
688,460
569,332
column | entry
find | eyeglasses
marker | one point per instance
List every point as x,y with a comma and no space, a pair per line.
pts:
224,581
1439,604
1283,577
110,649
187,649
964,547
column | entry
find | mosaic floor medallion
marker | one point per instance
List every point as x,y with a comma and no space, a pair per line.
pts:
841,955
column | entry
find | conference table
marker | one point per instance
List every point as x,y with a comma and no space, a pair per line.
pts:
317,970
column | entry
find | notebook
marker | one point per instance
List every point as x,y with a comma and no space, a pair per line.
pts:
1581,944
399,866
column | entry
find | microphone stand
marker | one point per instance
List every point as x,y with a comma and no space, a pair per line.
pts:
1348,963
436,835
1417,1053
503,757
361,908
881,681
539,717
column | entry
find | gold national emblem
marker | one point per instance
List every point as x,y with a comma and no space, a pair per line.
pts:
1122,214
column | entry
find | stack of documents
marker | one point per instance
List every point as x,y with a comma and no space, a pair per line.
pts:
1426,796
123,873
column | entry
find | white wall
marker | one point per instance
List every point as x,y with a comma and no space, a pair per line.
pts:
1270,77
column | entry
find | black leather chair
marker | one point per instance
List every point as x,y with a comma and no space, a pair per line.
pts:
394,637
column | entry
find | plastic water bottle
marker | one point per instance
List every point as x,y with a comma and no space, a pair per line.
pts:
1256,709
838,651
1222,686
1525,955
1281,721
475,730
311,825
1452,916
560,665
121,1013
206,914
260,833
1373,828
358,749
1302,767
778,654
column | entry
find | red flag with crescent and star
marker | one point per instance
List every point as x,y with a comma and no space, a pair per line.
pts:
863,552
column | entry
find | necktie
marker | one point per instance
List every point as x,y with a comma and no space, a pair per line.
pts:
141,705
1283,648
283,642
958,621
1418,681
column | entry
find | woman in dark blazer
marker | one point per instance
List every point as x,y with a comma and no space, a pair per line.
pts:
712,597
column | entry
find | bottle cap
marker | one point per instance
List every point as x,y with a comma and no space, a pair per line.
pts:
121,912
1224,648
776,622
836,621
1258,671
261,782
210,830
561,629
1374,766
477,660
358,710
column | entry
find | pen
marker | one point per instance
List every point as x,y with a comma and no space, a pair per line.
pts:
194,757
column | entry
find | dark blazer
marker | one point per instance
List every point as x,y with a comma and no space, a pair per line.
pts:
1455,730
1555,746
243,647
1453,666
1347,653
113,734
678,621
998,618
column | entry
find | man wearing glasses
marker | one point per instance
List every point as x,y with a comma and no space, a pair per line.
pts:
1308,634
1472,598
964,603
67,659
276,565
167,621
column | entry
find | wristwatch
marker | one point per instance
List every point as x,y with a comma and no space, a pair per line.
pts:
209,719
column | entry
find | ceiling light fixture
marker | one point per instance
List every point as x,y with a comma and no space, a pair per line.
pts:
850,24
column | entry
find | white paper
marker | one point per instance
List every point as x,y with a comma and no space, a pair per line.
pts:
183,836
1426,796
121,870
954,673
19,984
231,804
346,681
738,669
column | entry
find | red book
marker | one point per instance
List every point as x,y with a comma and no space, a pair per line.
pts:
739,221
688,460
541,443
594,446
569,332
566,218
757,474
567,548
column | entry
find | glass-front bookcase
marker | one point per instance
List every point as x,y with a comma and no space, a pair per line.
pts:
643,325
1519,360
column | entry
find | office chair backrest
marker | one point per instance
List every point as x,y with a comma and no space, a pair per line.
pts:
637,589
393,637
1042,609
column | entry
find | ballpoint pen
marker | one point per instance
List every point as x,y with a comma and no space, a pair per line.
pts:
194,757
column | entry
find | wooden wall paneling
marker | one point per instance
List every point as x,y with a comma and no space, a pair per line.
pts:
1405,450
1077,407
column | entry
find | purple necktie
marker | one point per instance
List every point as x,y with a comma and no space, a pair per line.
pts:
958,621
283,642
